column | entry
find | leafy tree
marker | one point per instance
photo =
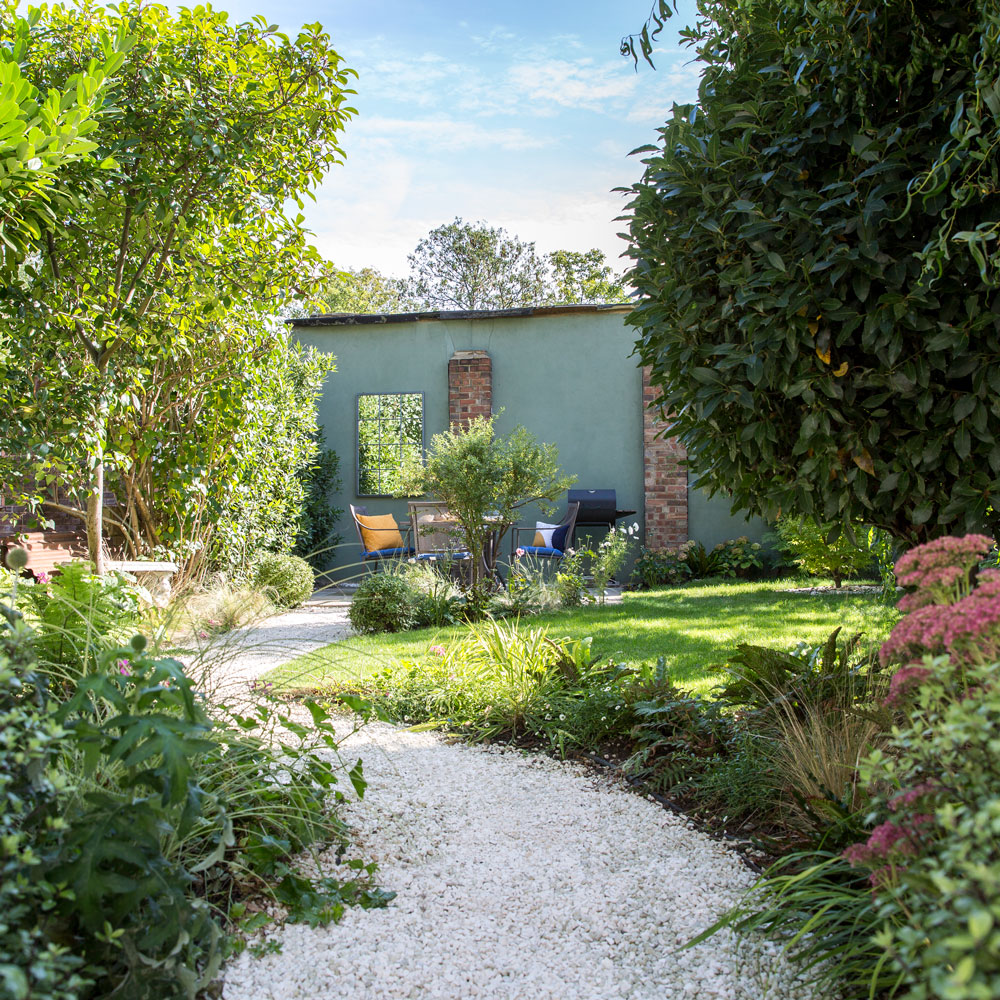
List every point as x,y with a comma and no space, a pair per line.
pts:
814,245
464,265
583,277
215,128
42,137
484,479
365,290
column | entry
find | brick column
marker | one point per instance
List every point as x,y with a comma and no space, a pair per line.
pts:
470,387
666,493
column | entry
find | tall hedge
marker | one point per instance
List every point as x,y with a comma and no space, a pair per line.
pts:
815,247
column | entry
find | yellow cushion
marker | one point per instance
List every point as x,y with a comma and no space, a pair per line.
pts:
380,531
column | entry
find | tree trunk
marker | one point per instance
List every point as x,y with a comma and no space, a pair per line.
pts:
95,517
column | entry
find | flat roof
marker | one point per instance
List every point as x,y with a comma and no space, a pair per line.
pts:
379,319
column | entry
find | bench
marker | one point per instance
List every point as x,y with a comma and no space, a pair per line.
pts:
154,576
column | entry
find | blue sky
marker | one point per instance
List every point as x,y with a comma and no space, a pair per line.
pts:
521,114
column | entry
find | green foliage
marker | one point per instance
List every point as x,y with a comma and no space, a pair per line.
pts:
31,741
77,613
288,580
810,547
484,479
135,824
938,885
814,250
317,536
503,679
611,555
43,147
184,250
660,567
571,583
463,265
365,290
736,557
582,277
824,915
385,602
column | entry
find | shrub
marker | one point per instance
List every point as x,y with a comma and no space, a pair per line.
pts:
738,557
288,580
659,567
317,535
934,858
386,602
502,679
437,600
31,743
806,542
134,823
571,586
815,261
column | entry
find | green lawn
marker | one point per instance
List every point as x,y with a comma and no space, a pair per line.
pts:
693,626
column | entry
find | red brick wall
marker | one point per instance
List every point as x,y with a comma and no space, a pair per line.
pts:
470,386
666,480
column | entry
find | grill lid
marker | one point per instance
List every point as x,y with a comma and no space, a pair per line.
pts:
596,506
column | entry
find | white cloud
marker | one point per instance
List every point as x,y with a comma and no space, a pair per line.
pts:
441,134
576,84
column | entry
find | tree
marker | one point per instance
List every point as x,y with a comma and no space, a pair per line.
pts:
583,277
484,479
814,246
42,137
215,128
464,265
365,290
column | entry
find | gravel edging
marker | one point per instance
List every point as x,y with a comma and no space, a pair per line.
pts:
519,876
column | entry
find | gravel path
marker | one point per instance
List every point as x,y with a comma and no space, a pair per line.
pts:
518,878
237,658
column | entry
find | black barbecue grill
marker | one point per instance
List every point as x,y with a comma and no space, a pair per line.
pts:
598,508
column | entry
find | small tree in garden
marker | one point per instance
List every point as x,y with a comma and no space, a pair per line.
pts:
815,249
484,479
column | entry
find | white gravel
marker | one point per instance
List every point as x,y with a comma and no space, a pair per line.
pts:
519,878
233,661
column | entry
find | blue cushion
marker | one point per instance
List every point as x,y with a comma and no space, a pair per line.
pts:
443,555
542,550
559,537
387,554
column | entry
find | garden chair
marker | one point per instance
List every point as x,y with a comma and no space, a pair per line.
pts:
379,536
560,538
433,538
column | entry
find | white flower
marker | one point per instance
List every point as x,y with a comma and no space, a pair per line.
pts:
562,718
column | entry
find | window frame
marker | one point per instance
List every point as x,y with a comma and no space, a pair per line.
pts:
357,437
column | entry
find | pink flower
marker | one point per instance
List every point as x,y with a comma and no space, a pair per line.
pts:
202,635
911,795
41,577
903,681
437,650
124,668
519,552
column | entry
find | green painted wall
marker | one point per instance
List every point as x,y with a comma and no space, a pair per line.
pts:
570,379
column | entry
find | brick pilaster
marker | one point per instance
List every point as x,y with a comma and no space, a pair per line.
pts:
666,481
470,387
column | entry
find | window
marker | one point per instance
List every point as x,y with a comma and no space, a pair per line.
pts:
390,433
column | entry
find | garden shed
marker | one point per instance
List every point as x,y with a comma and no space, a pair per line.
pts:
567,373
